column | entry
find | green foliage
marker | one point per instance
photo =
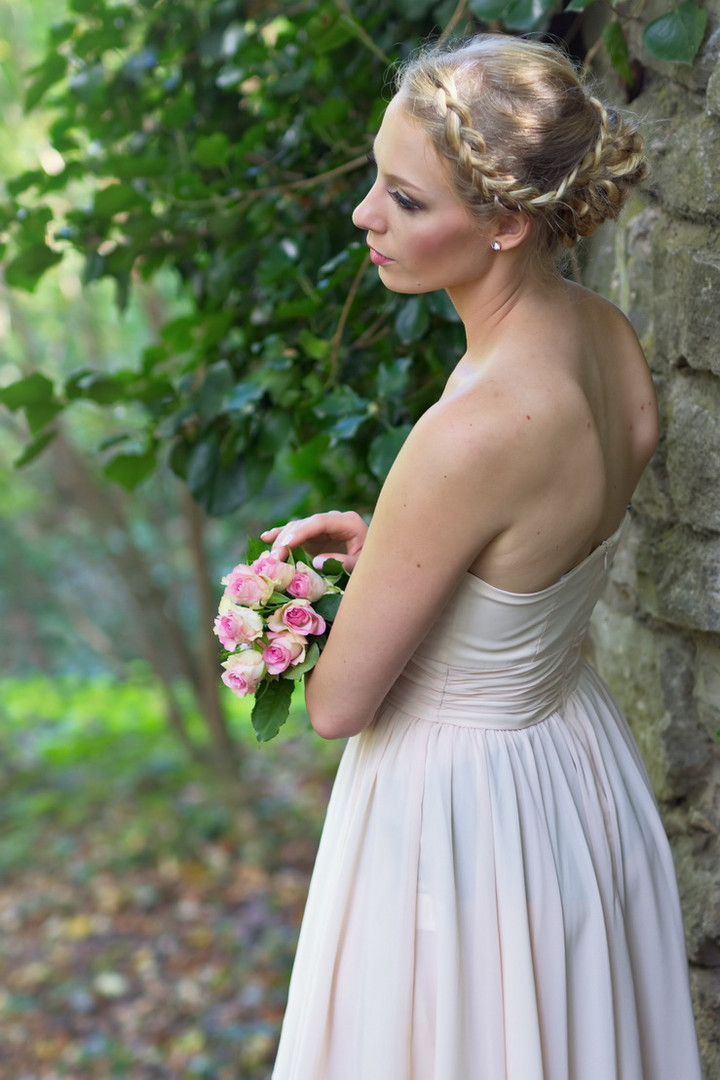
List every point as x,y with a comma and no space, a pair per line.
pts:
678,35
226,143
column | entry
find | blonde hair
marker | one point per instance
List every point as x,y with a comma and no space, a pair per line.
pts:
520,131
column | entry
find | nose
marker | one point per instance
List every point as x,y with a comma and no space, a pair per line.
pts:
366,214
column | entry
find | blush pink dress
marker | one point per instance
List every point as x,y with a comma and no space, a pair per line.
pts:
494,896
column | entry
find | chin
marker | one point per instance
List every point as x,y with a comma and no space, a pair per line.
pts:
410,288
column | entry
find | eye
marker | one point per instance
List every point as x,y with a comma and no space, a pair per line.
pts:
403,201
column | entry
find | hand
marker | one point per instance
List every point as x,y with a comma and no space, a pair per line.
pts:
321,535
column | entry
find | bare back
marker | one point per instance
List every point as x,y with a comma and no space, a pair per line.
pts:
581,409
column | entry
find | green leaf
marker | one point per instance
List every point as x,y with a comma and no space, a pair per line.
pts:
617,48
47,74
392,378
514,14
34,448
529,14
328,605
211,151
41,413
255,548
271,708
94,386
488,10
677,36
129,470
341,402
31,390
385,448
217,487
579,5
311,659
26,269
117,199
412,320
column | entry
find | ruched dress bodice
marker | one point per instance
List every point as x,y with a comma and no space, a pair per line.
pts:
500,659
494,896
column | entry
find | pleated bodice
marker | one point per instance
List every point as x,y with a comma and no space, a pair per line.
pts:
501,659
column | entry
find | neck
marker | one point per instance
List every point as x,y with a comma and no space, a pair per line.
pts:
487,305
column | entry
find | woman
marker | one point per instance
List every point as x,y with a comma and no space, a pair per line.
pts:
494,897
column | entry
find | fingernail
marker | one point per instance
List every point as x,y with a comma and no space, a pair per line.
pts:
319,561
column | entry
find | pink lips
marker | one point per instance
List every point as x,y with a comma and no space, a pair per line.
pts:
378,259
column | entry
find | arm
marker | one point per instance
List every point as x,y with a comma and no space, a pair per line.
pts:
444,500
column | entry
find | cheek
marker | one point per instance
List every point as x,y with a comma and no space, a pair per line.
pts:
444,242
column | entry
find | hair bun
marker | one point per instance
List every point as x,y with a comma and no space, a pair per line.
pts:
520,131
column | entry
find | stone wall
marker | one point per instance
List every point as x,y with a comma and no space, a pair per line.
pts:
656,636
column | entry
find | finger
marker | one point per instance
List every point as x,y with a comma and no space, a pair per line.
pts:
348,561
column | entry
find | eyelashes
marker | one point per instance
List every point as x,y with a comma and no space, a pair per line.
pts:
397,196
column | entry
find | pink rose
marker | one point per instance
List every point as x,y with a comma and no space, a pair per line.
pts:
235,625
244,586
243,671
306,584
278,573
298,617
284,650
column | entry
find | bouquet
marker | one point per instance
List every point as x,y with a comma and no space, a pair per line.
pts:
273,622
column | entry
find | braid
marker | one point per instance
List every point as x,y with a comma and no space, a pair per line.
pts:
546,148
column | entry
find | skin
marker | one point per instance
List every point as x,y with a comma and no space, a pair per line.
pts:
521,468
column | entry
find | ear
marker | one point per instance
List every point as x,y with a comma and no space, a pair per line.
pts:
511,228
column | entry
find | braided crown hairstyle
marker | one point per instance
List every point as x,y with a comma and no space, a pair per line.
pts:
520,132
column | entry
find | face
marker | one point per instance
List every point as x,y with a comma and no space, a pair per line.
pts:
421,237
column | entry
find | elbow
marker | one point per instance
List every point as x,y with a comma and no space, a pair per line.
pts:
325,727
332,726
330,716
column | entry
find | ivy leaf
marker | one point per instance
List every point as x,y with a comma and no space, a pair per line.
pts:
271,708
617,48
677,36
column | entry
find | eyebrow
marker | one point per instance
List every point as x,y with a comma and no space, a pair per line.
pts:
398,179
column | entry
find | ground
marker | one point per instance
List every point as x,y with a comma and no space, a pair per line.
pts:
147,928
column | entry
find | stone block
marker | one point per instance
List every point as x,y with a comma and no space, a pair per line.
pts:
618,264
707,683
686,304
712,101
679,576
705,985
683,143
693,449
650,673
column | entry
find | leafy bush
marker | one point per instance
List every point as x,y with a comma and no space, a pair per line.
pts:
226,140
